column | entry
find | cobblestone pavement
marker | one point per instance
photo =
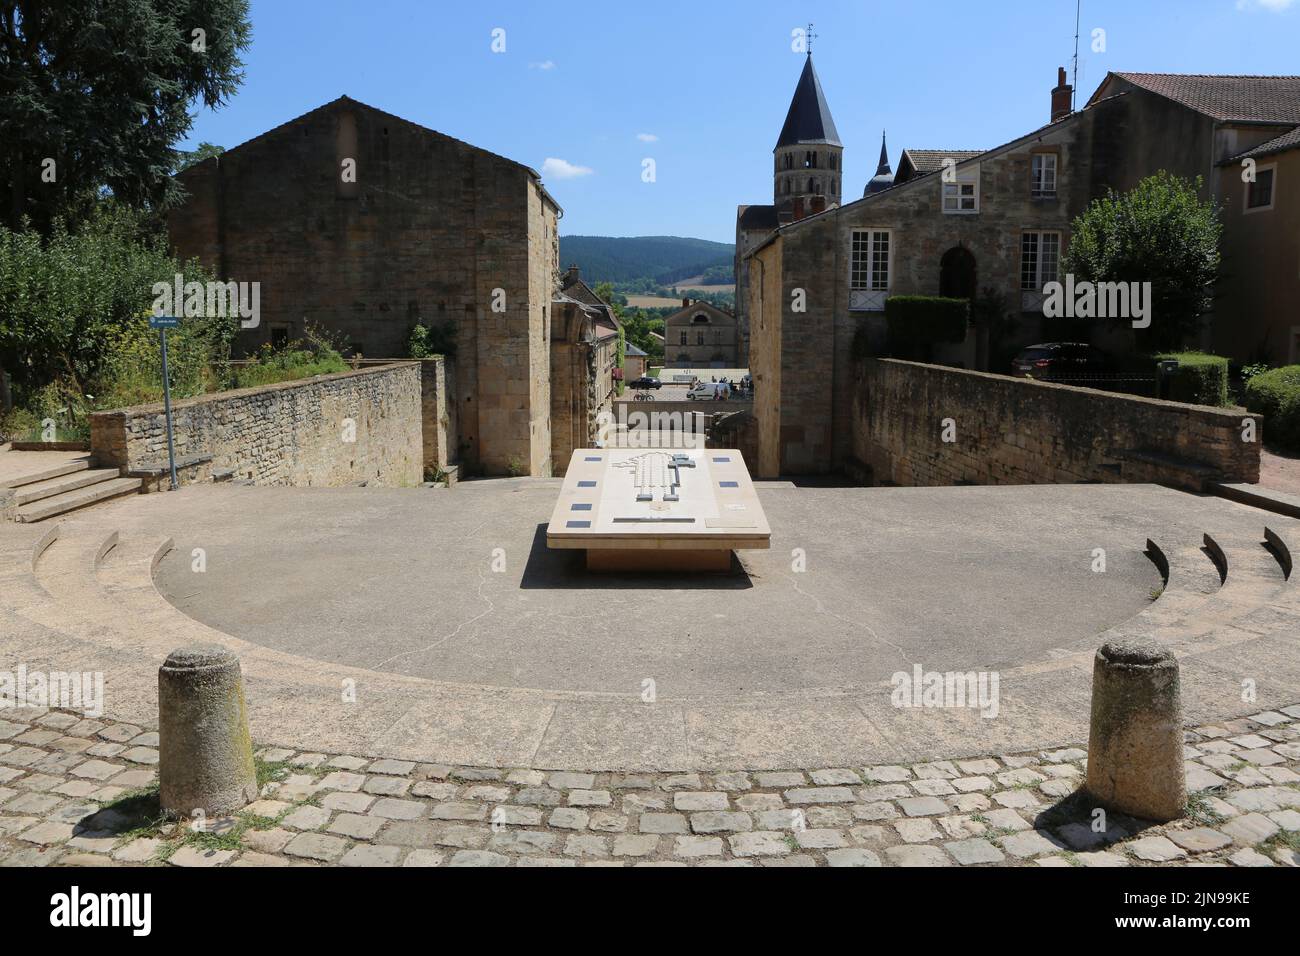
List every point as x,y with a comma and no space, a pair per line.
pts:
82,792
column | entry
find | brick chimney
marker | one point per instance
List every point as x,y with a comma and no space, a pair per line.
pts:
571,275
686,302
1062,97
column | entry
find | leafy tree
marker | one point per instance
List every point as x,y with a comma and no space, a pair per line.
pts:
1158,232
186,159
103,89
74,305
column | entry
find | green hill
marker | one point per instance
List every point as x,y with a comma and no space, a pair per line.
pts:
661,259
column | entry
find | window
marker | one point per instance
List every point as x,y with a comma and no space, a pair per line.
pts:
1259,194
869,262
682,340
960,197
812,185
1040,258
699,337
810,160
1043,168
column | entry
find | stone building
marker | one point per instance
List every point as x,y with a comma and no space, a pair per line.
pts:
807,178
700,335
365,224
955,224
606,332
1259,314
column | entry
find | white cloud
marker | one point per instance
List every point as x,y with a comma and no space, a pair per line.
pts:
563,169
1276,6
647,137
544,65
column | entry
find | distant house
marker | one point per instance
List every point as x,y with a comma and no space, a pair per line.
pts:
700,335
635,362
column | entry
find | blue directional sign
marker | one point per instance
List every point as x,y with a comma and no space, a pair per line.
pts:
164,322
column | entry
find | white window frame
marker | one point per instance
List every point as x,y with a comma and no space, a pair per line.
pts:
959,196
1246,208
1038,185
867,289
1031,299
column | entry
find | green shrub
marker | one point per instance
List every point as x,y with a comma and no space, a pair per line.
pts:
916,323
1200,379
1276,395
426,341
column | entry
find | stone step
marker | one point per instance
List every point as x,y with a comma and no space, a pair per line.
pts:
38,490
45,472
80,498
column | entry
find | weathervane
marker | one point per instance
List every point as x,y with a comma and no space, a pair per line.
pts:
810,37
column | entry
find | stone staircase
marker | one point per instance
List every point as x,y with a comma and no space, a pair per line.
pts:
35,486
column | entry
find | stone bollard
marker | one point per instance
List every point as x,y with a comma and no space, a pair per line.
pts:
1135,744
205,753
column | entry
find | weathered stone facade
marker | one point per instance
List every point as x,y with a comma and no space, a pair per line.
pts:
324,431
1020,431
431,230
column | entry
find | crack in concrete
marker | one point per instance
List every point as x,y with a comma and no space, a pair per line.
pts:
822,609
482,581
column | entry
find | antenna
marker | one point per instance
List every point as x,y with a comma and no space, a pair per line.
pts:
810,37
1074,93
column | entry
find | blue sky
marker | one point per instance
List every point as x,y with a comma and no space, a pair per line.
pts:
585,83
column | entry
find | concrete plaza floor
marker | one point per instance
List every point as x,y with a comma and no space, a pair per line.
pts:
461,640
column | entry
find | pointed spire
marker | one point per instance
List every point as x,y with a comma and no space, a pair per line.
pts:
809,119
883,169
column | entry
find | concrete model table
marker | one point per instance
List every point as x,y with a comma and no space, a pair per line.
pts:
651,509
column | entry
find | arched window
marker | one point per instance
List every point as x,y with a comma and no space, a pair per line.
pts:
812,185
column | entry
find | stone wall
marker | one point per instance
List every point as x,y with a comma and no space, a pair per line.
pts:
1019,431
292,433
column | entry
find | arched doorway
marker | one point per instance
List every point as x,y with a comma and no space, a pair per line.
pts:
957,274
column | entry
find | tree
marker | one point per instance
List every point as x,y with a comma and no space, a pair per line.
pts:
97,94
1158,232
186,159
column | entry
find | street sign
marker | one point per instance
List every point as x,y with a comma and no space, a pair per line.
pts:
162,323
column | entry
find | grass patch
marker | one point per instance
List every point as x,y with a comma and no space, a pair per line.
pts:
1199,810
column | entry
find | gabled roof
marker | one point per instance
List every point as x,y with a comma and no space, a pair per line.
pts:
809,119
931,160
1279,144
1228,99
349,102
632,350
572,287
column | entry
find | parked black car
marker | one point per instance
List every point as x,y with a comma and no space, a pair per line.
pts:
646,381
1059,360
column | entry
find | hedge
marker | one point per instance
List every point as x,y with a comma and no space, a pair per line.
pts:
1200,379
1275,394
916,322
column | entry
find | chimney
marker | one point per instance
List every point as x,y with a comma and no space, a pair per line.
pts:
572,274
686,302
1062,97
817,204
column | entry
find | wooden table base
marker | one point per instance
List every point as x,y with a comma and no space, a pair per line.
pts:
652,559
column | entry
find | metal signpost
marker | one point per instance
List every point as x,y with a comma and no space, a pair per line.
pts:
162,323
